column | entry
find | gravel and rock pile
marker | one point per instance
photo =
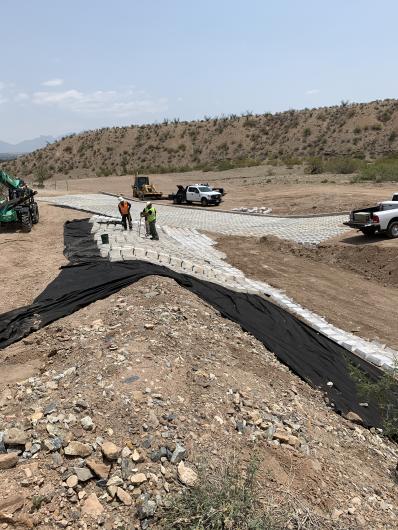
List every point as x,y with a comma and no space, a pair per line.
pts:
138,391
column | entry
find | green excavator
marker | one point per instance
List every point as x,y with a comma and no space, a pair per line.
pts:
18,205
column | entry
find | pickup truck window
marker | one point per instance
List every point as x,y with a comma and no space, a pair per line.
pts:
204,189
385,207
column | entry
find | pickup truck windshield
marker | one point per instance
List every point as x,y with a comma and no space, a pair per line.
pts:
204,189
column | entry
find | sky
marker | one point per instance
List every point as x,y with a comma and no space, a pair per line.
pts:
84,64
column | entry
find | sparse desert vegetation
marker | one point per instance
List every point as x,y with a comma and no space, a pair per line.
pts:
339,139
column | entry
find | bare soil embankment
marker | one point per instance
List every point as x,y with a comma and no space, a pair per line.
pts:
352,282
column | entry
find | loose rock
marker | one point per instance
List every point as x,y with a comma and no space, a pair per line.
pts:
72,481
92,506
146,508
8,460
124,497
187,475
352,416
179,454
15,436
138,478
110,450
78,449
12,504
83,474
99,469
87,423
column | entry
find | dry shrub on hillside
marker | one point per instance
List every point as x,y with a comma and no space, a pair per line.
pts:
383,170
233,499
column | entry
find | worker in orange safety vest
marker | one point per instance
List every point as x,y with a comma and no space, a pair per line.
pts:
124,210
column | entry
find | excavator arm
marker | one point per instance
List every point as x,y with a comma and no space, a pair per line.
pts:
11,182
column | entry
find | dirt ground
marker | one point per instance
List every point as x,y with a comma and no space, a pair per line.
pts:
197,380
286,191
351,281
29,262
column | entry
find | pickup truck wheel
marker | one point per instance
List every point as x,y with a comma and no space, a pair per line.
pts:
368,231
392,230
204,201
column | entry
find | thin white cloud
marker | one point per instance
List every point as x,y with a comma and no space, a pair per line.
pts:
3,99
53,82
21,96
67,97
118,103
312,91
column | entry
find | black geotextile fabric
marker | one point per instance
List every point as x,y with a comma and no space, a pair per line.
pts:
314,357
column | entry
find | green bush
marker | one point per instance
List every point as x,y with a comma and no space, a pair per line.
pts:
223,165
103,172
315,166
384,116
41,173
343,165
291,161
383,170
383,393
249,123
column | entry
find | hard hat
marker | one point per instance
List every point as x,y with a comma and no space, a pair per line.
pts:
121,199
148,203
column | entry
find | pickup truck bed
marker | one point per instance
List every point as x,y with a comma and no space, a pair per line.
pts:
380,218
362,218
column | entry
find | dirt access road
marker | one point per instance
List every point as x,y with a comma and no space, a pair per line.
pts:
286,191
351,281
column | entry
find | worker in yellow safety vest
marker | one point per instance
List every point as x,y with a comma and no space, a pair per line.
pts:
149,213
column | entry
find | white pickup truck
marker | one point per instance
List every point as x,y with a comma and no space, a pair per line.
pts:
382,218
200,193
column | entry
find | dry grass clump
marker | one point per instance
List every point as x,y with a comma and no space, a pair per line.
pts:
232,499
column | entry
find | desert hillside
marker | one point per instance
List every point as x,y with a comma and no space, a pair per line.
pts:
356,130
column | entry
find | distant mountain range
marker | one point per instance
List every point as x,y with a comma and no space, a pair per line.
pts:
26,146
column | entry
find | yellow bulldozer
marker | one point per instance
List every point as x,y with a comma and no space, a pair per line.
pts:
142,189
